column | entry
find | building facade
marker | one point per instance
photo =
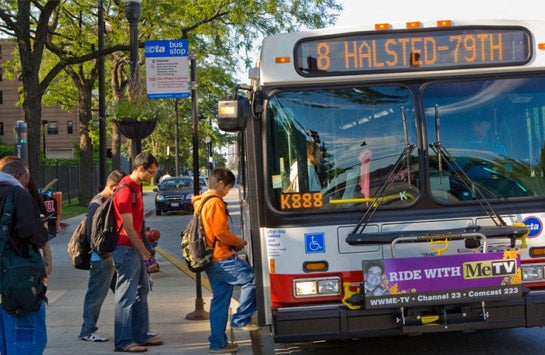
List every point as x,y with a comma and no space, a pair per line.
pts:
60,129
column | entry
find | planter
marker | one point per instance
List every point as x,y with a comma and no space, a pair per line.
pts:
137,130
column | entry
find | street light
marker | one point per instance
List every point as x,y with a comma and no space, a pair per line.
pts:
101,97
210,166
132,12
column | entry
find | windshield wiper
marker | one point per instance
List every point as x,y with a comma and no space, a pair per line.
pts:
378,197
441,152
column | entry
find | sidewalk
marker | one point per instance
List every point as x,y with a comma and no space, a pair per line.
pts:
172,298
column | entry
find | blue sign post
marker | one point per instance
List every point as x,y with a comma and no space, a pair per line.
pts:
167,69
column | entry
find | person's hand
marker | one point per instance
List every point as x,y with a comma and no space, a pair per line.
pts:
241,245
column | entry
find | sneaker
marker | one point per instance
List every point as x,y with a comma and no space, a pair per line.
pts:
229,348
250,327
94,338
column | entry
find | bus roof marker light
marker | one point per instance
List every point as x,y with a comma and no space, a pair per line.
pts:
382,26
413,24
444,23
541,46
282,60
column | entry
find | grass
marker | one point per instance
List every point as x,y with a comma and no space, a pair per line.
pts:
71,208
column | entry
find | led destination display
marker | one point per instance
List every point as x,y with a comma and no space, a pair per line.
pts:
452,48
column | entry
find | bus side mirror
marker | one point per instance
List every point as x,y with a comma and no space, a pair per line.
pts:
233,113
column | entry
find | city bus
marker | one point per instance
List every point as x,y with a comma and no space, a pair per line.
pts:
392,178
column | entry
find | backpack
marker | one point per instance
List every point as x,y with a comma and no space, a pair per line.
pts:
22,284
195,251
79,248
104,232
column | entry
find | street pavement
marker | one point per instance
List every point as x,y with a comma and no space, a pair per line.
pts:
173,297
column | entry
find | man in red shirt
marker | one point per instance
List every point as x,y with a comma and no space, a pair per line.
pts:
131,293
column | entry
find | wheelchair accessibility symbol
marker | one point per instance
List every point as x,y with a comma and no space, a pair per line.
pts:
314,243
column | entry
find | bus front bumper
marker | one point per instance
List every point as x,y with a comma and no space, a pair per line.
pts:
335,321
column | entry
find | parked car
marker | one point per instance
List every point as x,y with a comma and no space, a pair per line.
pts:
203,182
174,194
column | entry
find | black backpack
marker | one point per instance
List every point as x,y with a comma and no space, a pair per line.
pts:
79,248
195,251
104,232
22,284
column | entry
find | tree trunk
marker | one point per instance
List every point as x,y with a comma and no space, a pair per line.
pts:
86,183
32,106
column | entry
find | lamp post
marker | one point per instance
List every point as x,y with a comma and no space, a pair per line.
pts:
210,166
101,97
132,12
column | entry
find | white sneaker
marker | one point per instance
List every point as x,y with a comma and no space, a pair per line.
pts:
94,338
250,327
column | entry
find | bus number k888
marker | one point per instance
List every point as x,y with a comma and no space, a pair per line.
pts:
297,201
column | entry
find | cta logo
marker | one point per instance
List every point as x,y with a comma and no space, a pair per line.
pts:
490,268
535,226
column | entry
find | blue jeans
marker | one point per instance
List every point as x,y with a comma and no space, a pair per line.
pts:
223,276
131,297
100,277
26,335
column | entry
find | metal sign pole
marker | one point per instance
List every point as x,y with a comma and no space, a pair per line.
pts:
199,313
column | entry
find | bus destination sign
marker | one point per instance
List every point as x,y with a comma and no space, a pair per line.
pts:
439,49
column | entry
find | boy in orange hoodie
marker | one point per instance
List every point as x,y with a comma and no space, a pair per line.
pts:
226,269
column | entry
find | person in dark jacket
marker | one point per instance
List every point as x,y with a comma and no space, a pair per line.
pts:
28,232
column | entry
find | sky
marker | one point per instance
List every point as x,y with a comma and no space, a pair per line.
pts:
370,12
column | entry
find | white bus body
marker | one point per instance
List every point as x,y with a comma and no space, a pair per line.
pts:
419,148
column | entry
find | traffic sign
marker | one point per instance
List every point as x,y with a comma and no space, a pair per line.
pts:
167,69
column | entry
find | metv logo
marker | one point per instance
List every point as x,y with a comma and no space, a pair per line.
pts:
535,226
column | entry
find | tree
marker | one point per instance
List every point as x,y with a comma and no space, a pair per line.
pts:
29,22
77,21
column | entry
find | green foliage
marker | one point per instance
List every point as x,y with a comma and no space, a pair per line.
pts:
140,109
60,162
71,208
224,34
6,150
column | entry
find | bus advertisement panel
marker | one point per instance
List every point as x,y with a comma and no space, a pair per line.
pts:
442,280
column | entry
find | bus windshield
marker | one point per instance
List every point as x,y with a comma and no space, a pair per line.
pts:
354,146
479,121
334,148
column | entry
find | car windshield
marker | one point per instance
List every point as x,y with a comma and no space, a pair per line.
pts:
175,184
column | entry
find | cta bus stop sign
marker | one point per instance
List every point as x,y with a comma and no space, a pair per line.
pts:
167,69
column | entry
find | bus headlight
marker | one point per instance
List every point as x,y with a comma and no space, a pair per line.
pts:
327,286
532,273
